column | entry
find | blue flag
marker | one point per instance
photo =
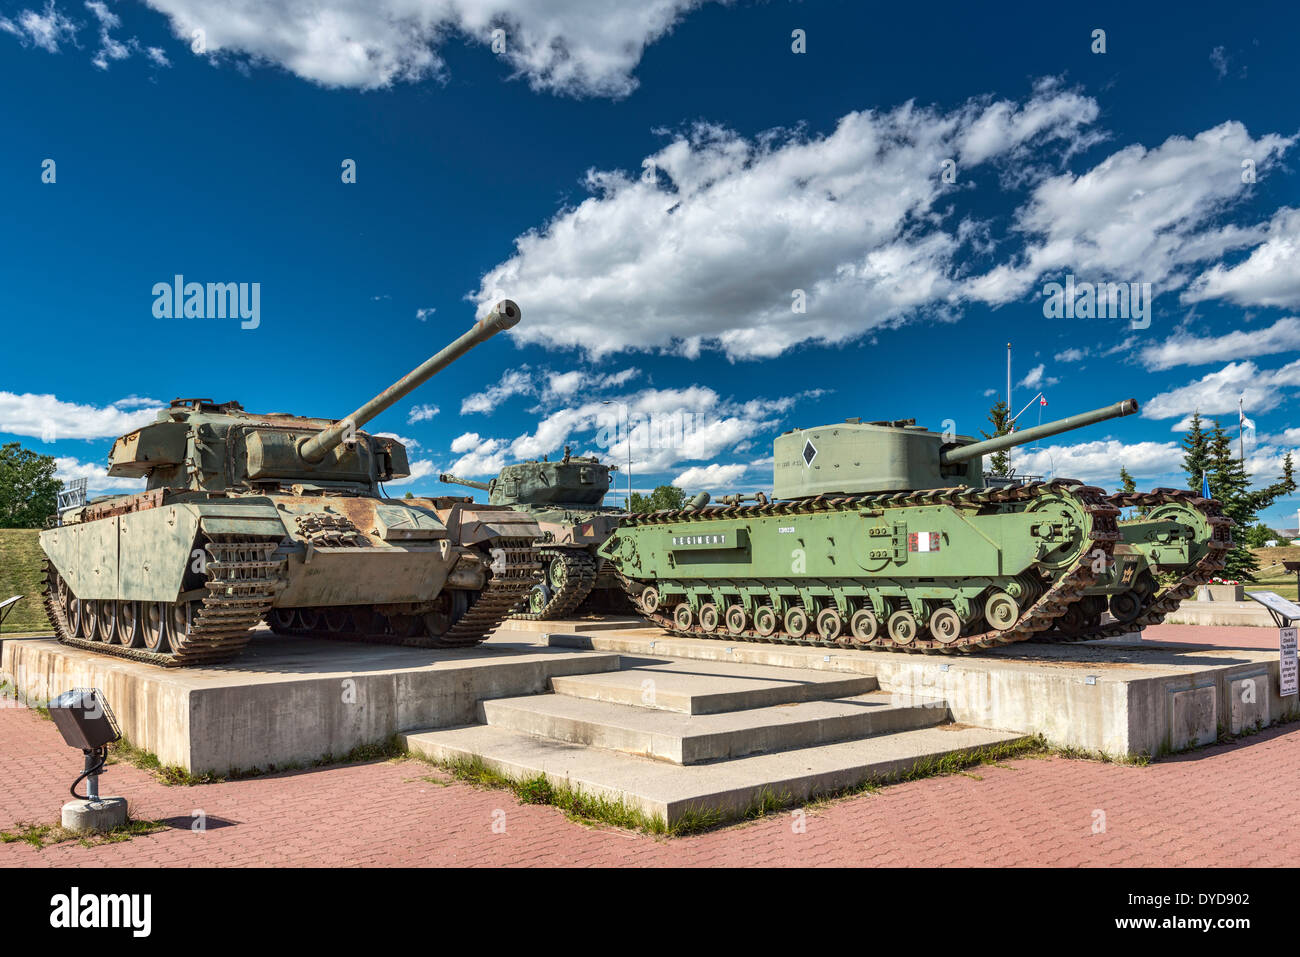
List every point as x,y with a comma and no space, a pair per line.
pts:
1205,485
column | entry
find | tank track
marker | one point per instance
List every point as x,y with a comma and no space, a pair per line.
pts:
1035,619
509,581
242,581
580,578
1163,602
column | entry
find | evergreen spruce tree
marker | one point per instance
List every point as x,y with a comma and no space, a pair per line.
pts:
1196,453
999,418
1230,484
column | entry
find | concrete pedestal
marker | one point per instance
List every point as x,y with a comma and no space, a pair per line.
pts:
290,701
87,817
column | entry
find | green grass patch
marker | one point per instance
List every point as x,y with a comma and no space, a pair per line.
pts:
591,809
174,775
20,574
41,836
577,805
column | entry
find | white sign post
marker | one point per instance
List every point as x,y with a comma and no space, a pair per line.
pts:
1290,669
1285,613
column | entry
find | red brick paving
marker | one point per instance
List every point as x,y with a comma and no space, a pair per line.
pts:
1229,805
1225,636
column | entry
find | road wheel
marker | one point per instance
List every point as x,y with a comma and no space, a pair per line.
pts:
650,600
1001,611
737,619
765,621
1125,606
153,626
709,616
684,616
830,624
337,620
126,630
796,622
945,625
180,622
902,627
864,625
106,623
72,611
90,619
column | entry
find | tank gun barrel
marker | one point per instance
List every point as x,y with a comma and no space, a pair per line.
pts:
504,315
998,443
468,483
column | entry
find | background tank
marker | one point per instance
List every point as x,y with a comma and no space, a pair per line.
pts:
882,534
564,497
248,516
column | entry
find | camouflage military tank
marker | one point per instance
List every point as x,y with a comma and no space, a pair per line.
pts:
884,535
248,517
565,499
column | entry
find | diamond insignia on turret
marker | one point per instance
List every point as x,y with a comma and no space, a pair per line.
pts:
809,452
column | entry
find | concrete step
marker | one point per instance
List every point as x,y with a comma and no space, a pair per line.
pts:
695,739
670,791
707,687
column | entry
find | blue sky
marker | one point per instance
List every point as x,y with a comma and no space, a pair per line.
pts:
657,195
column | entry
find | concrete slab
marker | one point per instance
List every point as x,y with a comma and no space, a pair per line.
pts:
1111,696
694,739
706,687
670,792
1221,613
291,700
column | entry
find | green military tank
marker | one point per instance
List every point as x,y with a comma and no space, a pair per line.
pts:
564,497
247,517
885,535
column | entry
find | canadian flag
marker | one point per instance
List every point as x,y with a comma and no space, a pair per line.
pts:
1042,400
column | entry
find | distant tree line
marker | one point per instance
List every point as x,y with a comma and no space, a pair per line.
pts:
29,492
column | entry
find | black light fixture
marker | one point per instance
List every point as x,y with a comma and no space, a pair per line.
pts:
86,722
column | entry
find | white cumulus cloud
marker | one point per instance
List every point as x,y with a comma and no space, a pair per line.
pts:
1270,276
576,47
49,418
709,477
721,239
1184,349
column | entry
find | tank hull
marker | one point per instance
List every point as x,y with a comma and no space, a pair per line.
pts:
939,570
338,564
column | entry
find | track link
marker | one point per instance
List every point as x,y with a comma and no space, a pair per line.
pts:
242,581
1166,600
579,579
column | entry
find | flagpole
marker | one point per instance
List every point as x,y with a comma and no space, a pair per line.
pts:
1241,432
1012,422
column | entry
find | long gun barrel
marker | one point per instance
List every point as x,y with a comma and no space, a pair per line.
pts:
468,483
504,315
975,449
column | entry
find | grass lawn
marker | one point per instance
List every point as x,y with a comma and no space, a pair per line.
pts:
1271,575
20,574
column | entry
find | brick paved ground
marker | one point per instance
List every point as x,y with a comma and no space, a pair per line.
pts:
1229,805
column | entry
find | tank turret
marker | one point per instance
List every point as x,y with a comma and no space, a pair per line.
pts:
203,445
573,481
857,457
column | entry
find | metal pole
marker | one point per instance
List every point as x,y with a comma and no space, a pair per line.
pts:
1009,423
1241,432
627,414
